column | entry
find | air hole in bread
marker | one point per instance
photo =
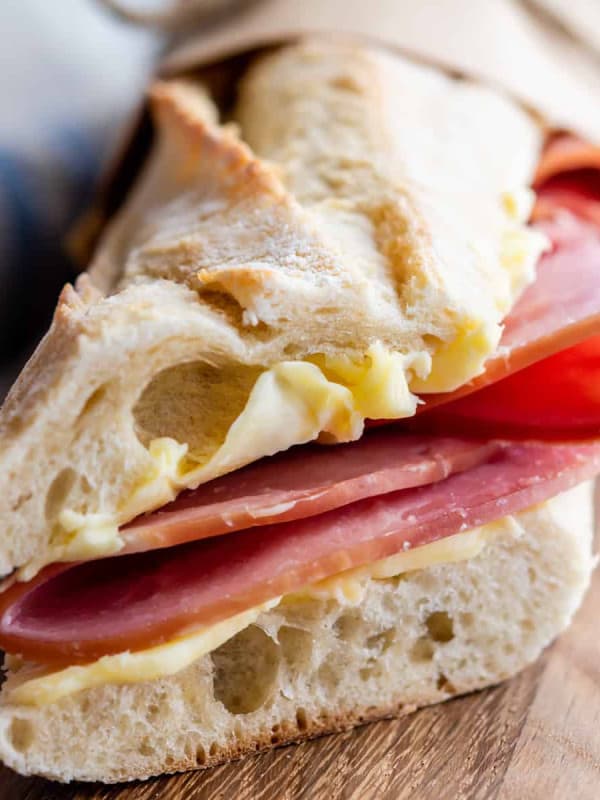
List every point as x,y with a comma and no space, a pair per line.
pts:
145,748
23,498
380,642
84,485
195,404
21,734
213,750
246,669
200,755
301,719
153,711
440,626
169,761
467,619
349,626
85,705
422,650
347,83
328,677
59,490
444,685
92,402
296,646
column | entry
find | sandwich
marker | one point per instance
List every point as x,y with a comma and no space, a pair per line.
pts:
311,442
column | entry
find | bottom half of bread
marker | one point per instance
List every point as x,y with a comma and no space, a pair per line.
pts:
316,665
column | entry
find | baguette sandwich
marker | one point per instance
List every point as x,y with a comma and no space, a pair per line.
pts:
311,443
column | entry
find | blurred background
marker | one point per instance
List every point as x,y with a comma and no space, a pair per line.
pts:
70,74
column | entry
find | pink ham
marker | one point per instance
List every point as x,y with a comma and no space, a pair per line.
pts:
565,153
578,195
304,482
72,614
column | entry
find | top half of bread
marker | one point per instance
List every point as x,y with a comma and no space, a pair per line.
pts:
361,213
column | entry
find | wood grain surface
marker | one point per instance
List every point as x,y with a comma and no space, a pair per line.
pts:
536,736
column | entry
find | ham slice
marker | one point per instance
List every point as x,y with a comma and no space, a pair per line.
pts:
74,614
579,193
304,482
563,153
568,177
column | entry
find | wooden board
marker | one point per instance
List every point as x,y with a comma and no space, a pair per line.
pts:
536,736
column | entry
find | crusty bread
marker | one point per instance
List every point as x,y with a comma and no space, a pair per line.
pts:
312,666
380,217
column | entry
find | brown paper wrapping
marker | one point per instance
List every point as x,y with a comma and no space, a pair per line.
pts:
498,41
502,42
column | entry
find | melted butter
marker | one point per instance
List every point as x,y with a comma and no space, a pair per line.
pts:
456,362
349,587
164,479
77,537
380,382
521,247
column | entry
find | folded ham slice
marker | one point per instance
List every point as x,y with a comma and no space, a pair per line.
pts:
74,614
568,177
304,482
566,153
578,193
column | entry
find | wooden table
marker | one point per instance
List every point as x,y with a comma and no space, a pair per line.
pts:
536,736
